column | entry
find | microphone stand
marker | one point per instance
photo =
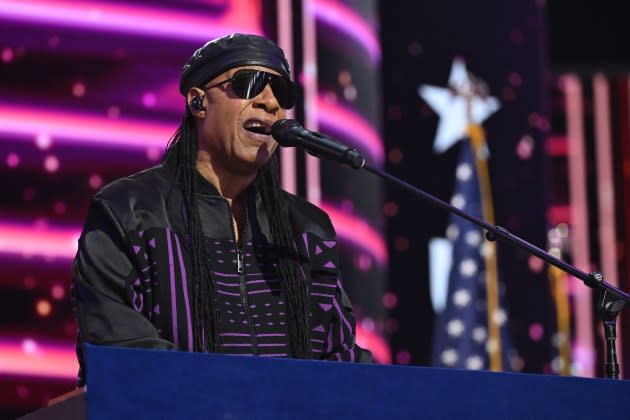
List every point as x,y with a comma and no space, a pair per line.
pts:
610,300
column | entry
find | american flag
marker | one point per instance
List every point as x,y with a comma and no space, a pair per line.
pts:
463,337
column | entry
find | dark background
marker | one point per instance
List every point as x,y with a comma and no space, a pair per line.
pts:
419,42
588,35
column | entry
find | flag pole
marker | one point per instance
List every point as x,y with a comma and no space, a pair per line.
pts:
478,142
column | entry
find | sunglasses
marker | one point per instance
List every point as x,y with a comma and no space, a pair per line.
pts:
248,83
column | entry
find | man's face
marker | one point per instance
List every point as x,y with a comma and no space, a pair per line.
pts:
229,130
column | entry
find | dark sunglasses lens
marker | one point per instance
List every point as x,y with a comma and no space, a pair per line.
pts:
247,84
283,91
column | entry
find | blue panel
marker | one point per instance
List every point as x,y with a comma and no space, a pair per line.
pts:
133,383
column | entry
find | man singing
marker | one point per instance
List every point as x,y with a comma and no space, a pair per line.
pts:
205,252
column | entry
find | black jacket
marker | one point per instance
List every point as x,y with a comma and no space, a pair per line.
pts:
131,281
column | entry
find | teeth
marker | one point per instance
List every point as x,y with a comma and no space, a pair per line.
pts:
253,122
257,127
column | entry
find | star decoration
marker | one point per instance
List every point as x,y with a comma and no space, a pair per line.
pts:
455,328
462,103
474,363
461,297
449,357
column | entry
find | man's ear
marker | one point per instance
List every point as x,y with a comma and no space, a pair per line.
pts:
196,98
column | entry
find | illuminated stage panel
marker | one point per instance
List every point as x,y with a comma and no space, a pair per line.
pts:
32,357
84,129
85,82
379,348
27,239
34,240
347,21
241,16
345,106
92,130
358,233
352,126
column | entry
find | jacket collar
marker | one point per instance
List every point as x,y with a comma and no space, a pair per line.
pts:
204,186
208,193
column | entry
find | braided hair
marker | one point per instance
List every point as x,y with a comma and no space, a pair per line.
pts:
182,149
293,283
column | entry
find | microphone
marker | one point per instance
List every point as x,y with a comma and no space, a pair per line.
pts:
289,133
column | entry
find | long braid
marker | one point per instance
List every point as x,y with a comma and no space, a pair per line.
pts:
206,317
206,323
293,284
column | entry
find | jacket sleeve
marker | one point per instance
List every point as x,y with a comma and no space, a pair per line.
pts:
102,271
335,328
342,331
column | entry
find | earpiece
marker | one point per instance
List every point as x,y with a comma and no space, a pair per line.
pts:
197,103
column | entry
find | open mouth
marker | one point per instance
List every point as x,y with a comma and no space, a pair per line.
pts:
257,126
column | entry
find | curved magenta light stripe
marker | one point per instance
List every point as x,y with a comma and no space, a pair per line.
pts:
38,240
35,358
347,21
87,129
131,19
80,128
57,242
357,232
344,121
375,343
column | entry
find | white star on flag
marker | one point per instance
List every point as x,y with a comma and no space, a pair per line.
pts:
451,104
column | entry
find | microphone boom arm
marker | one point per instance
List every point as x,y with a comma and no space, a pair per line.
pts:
611,300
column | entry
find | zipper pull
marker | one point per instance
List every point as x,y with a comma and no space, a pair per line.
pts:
239,261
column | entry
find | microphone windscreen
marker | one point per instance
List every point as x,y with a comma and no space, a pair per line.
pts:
281,132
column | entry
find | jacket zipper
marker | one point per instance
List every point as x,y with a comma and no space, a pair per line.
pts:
240,267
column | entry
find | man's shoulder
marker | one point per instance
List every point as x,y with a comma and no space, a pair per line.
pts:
133,197
140,201
146,182
308,217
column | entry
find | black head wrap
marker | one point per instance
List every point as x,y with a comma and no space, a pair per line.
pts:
234,50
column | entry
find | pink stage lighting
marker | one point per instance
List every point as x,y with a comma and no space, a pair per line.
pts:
358,233
54,242
373,342
241,16
342,18
33,240
342,120
85,129
32,357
